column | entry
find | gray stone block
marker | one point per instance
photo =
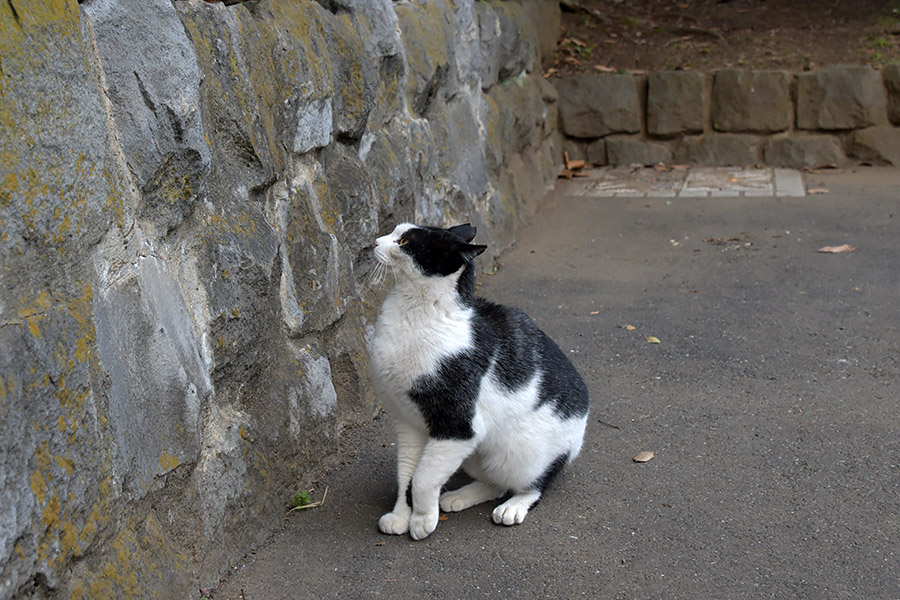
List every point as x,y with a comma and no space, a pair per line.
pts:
803,151
353,79
154,88
592,106
675,103
576,148
876,145
724,149
428,51
751,101
596,152
840,97
891,76
634,151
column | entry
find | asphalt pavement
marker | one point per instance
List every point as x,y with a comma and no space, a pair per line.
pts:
770,404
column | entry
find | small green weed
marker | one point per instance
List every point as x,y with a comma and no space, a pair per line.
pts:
301,499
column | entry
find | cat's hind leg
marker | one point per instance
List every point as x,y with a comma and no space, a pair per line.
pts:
513,511
410,443
469,495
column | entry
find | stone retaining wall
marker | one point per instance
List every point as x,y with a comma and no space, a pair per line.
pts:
188,197
838,115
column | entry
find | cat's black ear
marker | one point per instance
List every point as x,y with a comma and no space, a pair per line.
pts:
464,232
470,251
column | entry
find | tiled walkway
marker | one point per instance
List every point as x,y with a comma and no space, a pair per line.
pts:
689,183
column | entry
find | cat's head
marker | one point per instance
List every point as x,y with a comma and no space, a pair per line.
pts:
417,251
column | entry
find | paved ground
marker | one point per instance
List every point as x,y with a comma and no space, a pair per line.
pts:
771,403
682,182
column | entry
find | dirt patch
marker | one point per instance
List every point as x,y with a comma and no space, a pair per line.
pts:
792,35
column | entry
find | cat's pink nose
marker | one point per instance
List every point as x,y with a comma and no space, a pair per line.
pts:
376,242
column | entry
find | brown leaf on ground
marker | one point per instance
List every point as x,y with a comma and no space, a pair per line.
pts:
817,191
604,69
837,249
652,339
644,456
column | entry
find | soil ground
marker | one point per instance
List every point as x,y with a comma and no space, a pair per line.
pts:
793,35
770,404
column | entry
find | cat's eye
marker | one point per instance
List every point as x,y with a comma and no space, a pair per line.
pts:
402,241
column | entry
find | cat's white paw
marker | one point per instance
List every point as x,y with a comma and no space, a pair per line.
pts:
454,501
509,515
394,523
468,495
421,525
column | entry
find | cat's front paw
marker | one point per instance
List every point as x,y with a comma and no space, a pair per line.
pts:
509,514
394,523
421,525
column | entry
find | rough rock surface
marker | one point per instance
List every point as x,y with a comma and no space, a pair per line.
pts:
891,76
746,101
621,150
719,149
876,145
802,151
675,103
188,196
840,97
592,106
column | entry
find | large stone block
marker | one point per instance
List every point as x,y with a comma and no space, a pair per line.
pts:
518,37
154,88
840,97
891,76
723,149
751,101
876,145
428,50
634,151
803,151
592,106
675,103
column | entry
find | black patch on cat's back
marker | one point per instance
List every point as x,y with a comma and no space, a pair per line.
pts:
520,348
447,397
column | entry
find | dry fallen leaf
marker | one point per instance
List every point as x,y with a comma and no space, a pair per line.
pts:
644,456
630,327
817,191
837,249
652,340
604,69
595,312
443,518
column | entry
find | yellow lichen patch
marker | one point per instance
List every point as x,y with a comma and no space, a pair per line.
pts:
66,463
33,312
61,424
50,514
68,539
167,462
38,486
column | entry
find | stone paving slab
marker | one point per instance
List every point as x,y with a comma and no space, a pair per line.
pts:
699,182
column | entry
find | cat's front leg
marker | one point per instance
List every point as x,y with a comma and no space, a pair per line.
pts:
410,443
440,459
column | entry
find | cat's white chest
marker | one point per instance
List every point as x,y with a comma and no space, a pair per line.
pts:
412,337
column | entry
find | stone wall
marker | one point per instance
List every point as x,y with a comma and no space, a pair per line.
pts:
188,196
838,115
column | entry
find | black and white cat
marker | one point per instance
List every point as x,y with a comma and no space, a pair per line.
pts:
468,383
